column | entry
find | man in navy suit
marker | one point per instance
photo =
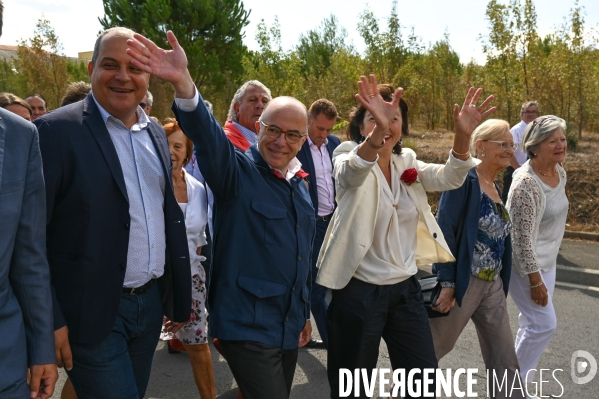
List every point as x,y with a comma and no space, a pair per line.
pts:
263,228
25,306
116,240
316,157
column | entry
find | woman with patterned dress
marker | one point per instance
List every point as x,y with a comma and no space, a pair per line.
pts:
479,278
191,196
538,206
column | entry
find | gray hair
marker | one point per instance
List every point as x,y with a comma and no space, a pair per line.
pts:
488,130
232,116
530,104
149,98
119,30
538,130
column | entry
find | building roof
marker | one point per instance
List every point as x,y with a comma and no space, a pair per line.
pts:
7,52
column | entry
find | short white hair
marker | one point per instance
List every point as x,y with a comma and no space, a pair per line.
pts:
488,130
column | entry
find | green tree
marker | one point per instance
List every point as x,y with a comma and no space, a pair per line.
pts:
41,61
210,31
11,80
317,47
385,51
279,70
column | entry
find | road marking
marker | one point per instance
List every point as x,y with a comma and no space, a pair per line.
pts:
578,269
577,286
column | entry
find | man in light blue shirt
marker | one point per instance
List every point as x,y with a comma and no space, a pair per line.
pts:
117,245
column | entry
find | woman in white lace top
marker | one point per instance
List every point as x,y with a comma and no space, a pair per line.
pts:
538,207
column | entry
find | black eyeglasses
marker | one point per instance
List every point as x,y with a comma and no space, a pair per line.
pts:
291,136
143,105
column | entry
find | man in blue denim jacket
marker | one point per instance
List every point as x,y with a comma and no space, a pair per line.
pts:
263,228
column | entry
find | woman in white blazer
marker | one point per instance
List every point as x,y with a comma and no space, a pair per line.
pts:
382,230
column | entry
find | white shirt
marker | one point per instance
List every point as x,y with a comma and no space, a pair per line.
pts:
145,184
538,214
196,219
391,257
553,224
518,134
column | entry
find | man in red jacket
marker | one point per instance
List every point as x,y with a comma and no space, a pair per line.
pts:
246,107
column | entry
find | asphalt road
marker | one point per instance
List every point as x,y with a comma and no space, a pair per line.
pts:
578,329
579,254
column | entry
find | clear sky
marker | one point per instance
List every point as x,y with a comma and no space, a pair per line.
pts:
76,21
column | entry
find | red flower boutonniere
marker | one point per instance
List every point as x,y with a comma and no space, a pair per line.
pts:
409,176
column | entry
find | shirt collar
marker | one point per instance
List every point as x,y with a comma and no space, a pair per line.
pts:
249,135
311,143
142,119
294,166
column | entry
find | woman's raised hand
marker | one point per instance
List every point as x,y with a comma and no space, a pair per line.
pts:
465,120
382,111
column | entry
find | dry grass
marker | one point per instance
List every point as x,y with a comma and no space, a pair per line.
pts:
581,165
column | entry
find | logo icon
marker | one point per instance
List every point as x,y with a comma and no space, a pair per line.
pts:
579,366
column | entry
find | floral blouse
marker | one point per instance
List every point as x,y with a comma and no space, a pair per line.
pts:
494,226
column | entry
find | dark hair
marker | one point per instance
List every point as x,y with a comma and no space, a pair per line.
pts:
323,106
171,126
356,118
7,99
75,91
38,96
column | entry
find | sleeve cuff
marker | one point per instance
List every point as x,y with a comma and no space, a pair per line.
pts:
447,284
188,104
362,162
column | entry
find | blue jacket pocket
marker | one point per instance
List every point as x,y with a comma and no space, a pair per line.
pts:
272,219
261,303
260,287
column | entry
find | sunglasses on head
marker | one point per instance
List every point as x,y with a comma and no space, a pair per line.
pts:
539,121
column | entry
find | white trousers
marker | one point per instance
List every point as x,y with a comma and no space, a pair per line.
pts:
537,323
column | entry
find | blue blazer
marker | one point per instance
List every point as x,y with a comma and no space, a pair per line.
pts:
262,242
88,223
305,157
26,324
451,208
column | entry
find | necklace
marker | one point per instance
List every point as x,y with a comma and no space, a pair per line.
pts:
548,174
483,178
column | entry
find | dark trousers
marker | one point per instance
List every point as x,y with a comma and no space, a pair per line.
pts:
361,313
119,367
261,371
507,182
318,293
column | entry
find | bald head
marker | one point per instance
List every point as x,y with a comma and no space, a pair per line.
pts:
118,31
284,106
283,120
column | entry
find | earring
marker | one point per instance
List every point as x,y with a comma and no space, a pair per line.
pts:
483,153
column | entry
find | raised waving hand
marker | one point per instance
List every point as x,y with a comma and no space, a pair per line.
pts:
382,111
168,65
